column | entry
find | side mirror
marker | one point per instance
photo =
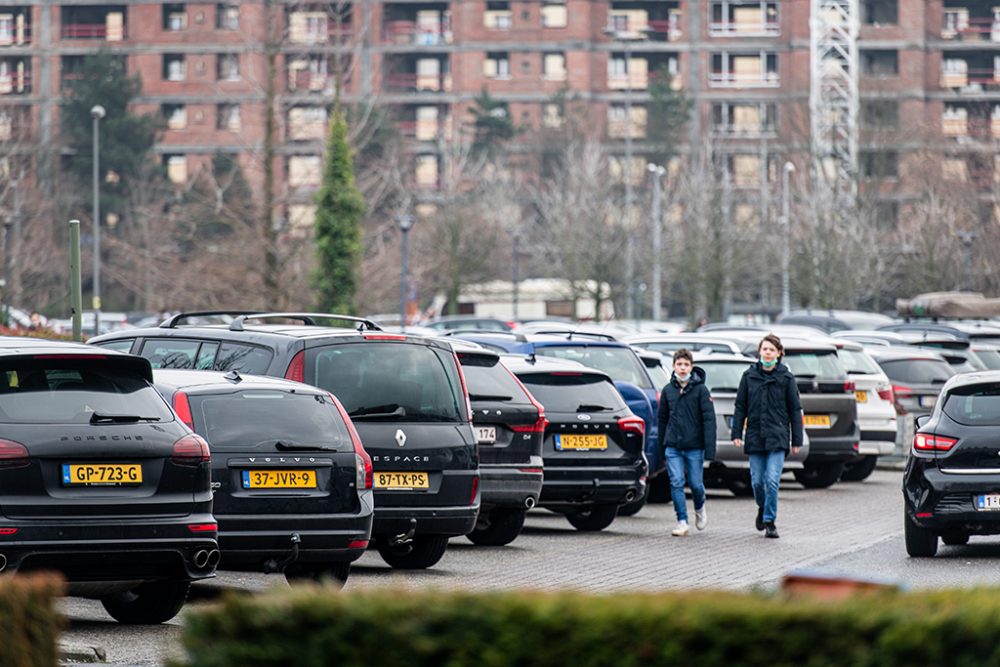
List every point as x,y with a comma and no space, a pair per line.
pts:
922,420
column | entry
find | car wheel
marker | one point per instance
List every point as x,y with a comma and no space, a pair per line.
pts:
148,604
420,553
819,476
857,471
738,483
920,542
659,488
955,539
501,527
593,518
633,508
300,572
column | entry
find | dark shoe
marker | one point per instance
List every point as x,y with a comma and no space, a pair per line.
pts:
759,523
770,530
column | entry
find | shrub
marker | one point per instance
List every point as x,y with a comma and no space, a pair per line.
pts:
29,622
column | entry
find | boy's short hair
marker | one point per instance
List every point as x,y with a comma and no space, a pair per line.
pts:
683,353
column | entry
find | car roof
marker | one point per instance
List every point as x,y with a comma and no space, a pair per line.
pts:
527,365
723,357
975,377
819,341
678,338
196,380
897,352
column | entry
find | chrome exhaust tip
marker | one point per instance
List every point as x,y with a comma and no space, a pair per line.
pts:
630,496
529,502
3,562
214,556
200,559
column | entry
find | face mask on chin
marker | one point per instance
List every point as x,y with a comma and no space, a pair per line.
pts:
768,364
682,378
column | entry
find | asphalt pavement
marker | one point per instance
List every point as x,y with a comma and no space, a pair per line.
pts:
851,528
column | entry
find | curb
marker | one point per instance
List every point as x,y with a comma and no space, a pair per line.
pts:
85,653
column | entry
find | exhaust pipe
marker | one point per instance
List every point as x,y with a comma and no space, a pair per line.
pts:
630,496
3,562
529,502
200,558
214,556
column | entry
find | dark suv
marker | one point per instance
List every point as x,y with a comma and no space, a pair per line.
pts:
405,395
293,484
100,481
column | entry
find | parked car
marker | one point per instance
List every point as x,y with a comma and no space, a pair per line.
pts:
950,486
406,396
293,483
876,410
467,322
659,366
593,447
979,331
695,342
100,481
836,320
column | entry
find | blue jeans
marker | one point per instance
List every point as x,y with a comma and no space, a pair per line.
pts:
689,463
765,476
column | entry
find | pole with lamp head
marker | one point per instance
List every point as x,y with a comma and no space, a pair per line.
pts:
658,172
785,233
405,223
97,112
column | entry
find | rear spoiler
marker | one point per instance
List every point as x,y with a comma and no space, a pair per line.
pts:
109,358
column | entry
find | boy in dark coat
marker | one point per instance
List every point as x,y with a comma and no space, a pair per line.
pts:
687,435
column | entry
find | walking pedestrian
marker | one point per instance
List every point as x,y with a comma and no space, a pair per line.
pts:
768,409
687,437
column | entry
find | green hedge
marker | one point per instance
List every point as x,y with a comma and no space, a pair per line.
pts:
29,622
312,627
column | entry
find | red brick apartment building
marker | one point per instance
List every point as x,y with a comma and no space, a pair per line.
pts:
929,74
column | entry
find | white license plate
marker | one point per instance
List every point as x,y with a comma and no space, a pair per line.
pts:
486,435
988,503
928,401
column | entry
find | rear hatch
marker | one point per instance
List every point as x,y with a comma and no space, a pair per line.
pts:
916,382
871,387
277,451
967,430
88,437
829,404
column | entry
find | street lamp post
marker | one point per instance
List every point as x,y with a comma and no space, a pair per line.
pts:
657,171
516,277
97,112
405,223
967,238
785,231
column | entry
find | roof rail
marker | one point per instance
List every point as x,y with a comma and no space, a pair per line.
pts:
569,333
173,321
519,337
307,319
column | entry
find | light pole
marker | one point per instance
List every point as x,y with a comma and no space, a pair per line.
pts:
97,112
405,223
785,231
967,238
657,171
516,277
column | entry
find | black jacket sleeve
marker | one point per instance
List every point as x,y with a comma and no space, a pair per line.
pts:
740,410
708,422
794,407
663,416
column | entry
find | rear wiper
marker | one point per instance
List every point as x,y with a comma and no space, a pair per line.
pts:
387,409
294,447
806,376
727,389
489,397
587,407
98,418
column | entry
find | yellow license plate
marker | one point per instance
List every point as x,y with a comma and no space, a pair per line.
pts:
101,474
581,442
402,480
279,479
862,396
816,420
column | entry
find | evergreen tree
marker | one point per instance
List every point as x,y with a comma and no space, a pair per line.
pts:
669,111
340,208
491,124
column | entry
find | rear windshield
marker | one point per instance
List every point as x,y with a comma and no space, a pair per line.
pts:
858,362
974,404
59,391
620,363
723,376
258,419
574,393
990,358
918,371
491,381
402,382
814,364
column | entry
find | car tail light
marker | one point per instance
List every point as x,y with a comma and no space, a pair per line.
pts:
191,450
7,532
362,461
183,409
849,387
13,454
632,425
203,527
531,471
541,423
885,393
357,544
928,442
902,391
383,337
465,387
924,515
475,490
297,367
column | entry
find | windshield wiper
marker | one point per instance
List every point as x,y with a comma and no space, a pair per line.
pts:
390,410
294,447
489,397
588,407
98,418
732,389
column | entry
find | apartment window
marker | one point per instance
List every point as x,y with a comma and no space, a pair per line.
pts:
429,76
955,20
954,73
227,16
177,171
304,171
554,66
497,16
887,215
746,17
552,116
554,14
880,12
497,66
302,216
954,170
744,119
174,17
427,125
426,172
629,23
305,123
176,115
955,121
228,117
307,27
880,62
228,67
880,164
6,28
748,70
624,74
880,114
174,68
619,125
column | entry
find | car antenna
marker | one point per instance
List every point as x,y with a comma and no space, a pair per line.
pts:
531,357
233,376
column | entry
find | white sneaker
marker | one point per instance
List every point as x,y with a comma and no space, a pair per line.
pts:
681,530
701,518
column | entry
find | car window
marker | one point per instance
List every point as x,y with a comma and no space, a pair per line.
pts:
620,363
976,404
814,364
659,375
249,359
918,371
119,345
206,356
573,392
858,362
989,357
61,391
391,381
170,352
255,419
488,381
723,376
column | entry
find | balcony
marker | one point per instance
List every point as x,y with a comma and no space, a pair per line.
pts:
960,26
104,23
744,19
317,27
15,29
14,79
744,71
411,82
417,33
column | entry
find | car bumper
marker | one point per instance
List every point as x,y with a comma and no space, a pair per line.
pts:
877,443
510,486
592,485
832,449
941,502
250,540
454,521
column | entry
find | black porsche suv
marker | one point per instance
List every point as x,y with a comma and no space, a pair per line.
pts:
100,481
293,483
406,396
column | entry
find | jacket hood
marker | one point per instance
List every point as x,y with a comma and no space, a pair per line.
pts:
697,376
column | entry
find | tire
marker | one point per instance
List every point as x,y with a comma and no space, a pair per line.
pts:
738,483
503,527
148,604
858,471
659,489
309,572
920,542
634,507
592,518
422,552
955,539
819,476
